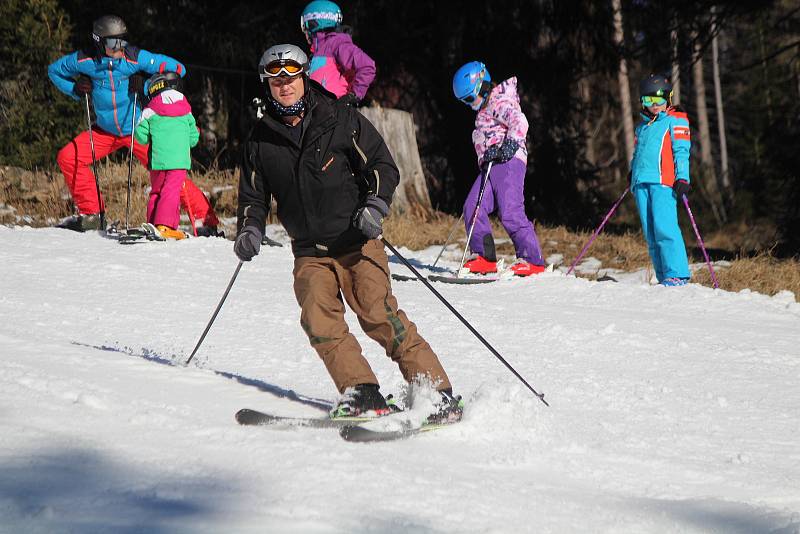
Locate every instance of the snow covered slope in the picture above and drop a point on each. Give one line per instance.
(672, 410)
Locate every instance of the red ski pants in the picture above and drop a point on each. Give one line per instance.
(75, 161)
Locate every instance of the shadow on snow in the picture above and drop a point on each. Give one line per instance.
(80, 490)
(266, 387)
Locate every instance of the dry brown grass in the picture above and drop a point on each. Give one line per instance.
(626, 252)
(762, 273)
(40, 199)
(43, 197)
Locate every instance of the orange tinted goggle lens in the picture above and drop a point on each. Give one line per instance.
(276, 67)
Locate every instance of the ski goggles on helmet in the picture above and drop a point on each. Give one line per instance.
(280, 67)
(648, 100)
(115, 43)
(473, 100)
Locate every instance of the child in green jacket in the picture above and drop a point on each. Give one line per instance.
(168, 126)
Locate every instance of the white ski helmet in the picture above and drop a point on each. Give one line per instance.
(282, 60)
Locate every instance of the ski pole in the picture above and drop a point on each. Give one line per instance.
(475, 217)
(447, 242)
(130, 164)
(100, 205)
(461, 318)
(599, 229)
(700, 241)
(219, 306)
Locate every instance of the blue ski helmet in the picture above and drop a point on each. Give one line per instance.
(320, 15)
(468, 83)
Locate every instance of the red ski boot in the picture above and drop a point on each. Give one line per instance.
(481, 265)
(523, 268)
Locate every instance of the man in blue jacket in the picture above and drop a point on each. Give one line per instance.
(104, 72)
(660, 177)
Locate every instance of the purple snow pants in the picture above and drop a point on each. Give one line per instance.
(503, 193)
(164, 206)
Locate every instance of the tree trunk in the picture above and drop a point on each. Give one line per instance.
(585, 95)
(706, 158)
(397, 129)
(208, 116)
(676, 63)
(723, 142)
(622, 77)
(764, 69)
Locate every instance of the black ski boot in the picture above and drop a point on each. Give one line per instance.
(363, 400)
(209, 231)
(450, 410)
(81, 223)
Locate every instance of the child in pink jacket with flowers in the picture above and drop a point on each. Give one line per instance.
(499, 138)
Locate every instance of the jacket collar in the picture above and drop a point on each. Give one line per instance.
(318, 119)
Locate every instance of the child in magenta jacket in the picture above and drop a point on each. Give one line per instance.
(337, 64)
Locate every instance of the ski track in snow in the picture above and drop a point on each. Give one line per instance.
(672, 409)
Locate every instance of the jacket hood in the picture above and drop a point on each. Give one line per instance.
(170, 103)
(329, 39)
(506, 90)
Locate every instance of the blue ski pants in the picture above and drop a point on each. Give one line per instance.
(658, 211)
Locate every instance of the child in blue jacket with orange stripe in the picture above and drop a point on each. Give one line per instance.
(660, 177)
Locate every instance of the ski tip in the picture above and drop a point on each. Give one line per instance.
(359, 434)
(246, 416)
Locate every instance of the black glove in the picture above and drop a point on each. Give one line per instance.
(500, 153)
(350, 99)
(83, 85)
(369, 217)
(681, 187)
(248, 243)
(490, 155)
(136, 84)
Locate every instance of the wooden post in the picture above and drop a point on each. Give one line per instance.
(397, 129)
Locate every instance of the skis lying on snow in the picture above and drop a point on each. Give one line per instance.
(357, 429)
(450, 279)
(463, 279)
(146, 232)
(468, 277)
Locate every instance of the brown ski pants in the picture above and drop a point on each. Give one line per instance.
(362, 278)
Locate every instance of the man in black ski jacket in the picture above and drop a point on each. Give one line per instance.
(333, 179)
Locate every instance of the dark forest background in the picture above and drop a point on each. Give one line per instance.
(563, 52)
